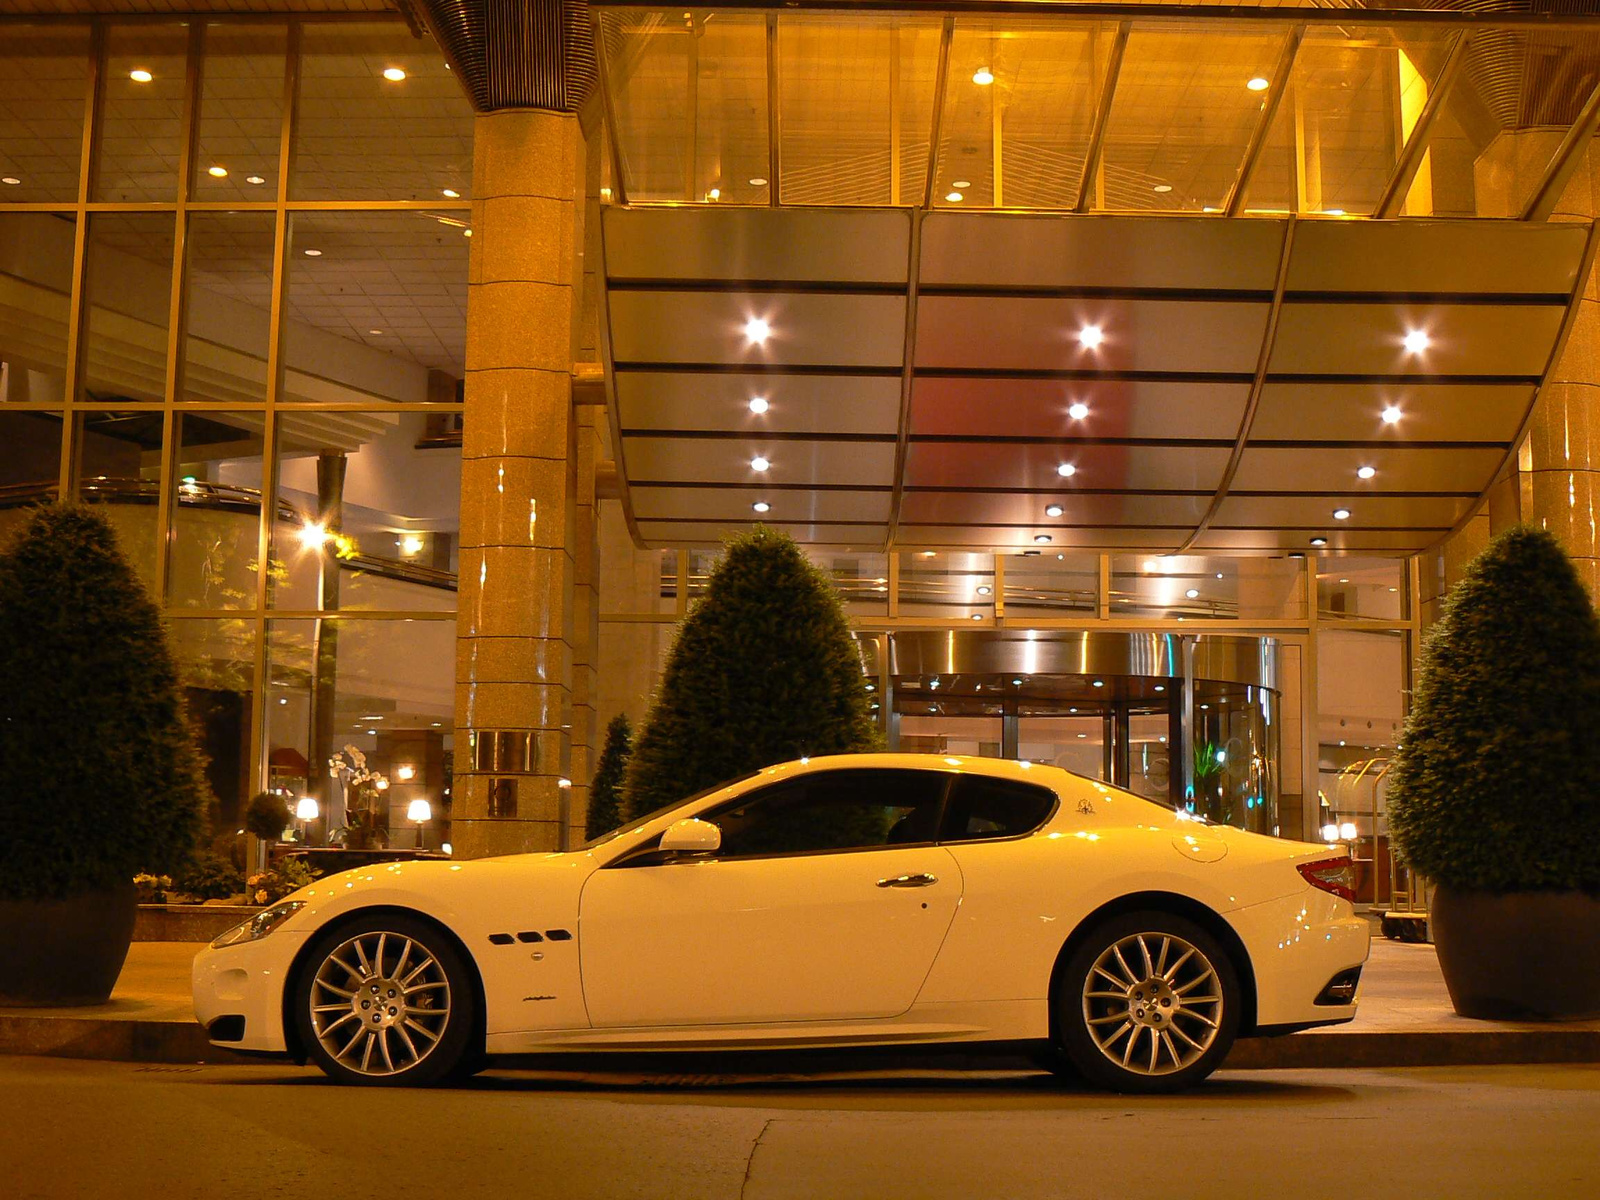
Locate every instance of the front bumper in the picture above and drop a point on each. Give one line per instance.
(246, 982)
(1297, 945)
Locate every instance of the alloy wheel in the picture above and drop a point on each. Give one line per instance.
(1153, 1003)
(379, 1003)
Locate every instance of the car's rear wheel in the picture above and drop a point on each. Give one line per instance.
(384, 1000)
(1149, 1002)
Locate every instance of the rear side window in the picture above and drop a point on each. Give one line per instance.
(994, 808)
(833, 810)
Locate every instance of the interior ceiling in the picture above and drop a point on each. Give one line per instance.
(952, 430)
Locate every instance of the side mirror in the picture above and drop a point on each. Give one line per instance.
(691, 836)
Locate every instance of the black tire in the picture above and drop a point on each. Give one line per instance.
(422, 1014)
(1176, 1028)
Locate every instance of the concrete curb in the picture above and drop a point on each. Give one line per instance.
(173, 1042)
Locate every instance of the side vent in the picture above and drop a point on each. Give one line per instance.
(501, 939)
(558, 935)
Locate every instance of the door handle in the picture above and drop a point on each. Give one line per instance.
(923, 880)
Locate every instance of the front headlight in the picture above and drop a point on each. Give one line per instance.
(259, 925)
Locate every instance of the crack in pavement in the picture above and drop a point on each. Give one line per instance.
(751, 1161)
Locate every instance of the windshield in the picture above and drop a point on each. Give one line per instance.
(635, 823)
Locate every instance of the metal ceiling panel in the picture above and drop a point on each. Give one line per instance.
(1061, 540)
(1372, 512)
(669, 534)
(1434, 257)
(1028, 508)
(1040, 408)
(1424, 412)
(1004, 250)
(820, 404)
(734, 504)
(1353, 541)
(807, 329)
(1043, 333)
(1368, 339)
(727, 460)
(777, 244)
(1003, 465)
(1460, 469)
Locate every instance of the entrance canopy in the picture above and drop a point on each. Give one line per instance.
(1131, 282)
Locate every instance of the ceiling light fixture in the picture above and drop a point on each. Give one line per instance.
(1163, 188)
(140, 75)
(1041, 538)
(953, 197)
(1259, 84)
(217, 172)
(983, 77)
(1078, 411)
(1391, 415)
(756, 330)
(758, 181)
(1090, 336)
(10, 181)
(961, 184)
(1099, 683)
(1341, 514)
(1319, 541)
(761, 506)
(452, 194)
(1193, 594)
(759, 464)
(758, 404)
(714, 194)
(977, 616)
(1054, 510)
(393, 74)
(1417, 340)
(255, 179)
(1366, 472)
(313, 253)
(985, 590)
(1066, 470)
(1334, 212)
(375, 332)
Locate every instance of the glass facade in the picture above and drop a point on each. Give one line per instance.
(234, 317)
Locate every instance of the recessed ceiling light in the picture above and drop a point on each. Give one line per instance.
(1078, 411)
(466, 233)
(977, 616)
(961, 184)
(1054, 510)
(1341, 514)
(1319, 541)
(1099, 683)
(756, 330)
(140, 75)
(983, 77)
(1366, 472)
(313, 253)
(1163, 188)
(714, 194)
(1090, 336)
(10, 181)
(759, 464)
(761, 506)
(1161, 687)
(393, 74)
(953, 197)
(1417, 340)
(452, 194)
(985, 590)
(217, 172)
(255, 179)
(375, 332)
(758, 181)
(1066, 470)
(1391, 415)
(1344, 581)
(1259, 84)
(1193, 593)
(758, 404)
(1041, 538)
(1334, 212)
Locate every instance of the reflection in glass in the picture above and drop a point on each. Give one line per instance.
(217, 510)
(1361, 587)
(385, 688)
(140, 128)
(35, 303)
(241, 113)
(29, 467)
(1236, 755)
(119, 467)
(1176, 587)
(44, 73)
(361, 136)
(1051, 585)
(127, 300)
(946, 584)
(229, 313)
(217, 662)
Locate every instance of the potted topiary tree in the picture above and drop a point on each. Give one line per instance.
(763, 670)
(102, 779)
(1495, 789)
(605, 793)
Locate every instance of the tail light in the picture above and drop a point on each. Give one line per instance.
(1335, 875)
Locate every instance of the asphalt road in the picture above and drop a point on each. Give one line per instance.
(82, 1130)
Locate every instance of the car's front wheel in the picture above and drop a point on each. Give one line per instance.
(1149, 1002)
(382, 1000)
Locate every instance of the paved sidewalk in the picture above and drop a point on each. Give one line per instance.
(1406, 1020)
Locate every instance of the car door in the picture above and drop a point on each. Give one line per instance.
(828, 900)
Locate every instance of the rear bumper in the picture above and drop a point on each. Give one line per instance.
(1297, 945)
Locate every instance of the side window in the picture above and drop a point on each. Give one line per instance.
(834, 810)
(993, 808)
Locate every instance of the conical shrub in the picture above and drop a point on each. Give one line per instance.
(1496, 785)
(101, 778)
(605, 793)
(763, 670)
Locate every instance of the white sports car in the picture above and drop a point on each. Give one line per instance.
(859, 900)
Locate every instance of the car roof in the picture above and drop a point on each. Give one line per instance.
(1002, 768)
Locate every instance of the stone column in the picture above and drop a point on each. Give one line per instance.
(514, 695)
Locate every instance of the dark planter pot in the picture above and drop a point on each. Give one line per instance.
(1521, 956)
(65, 952)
